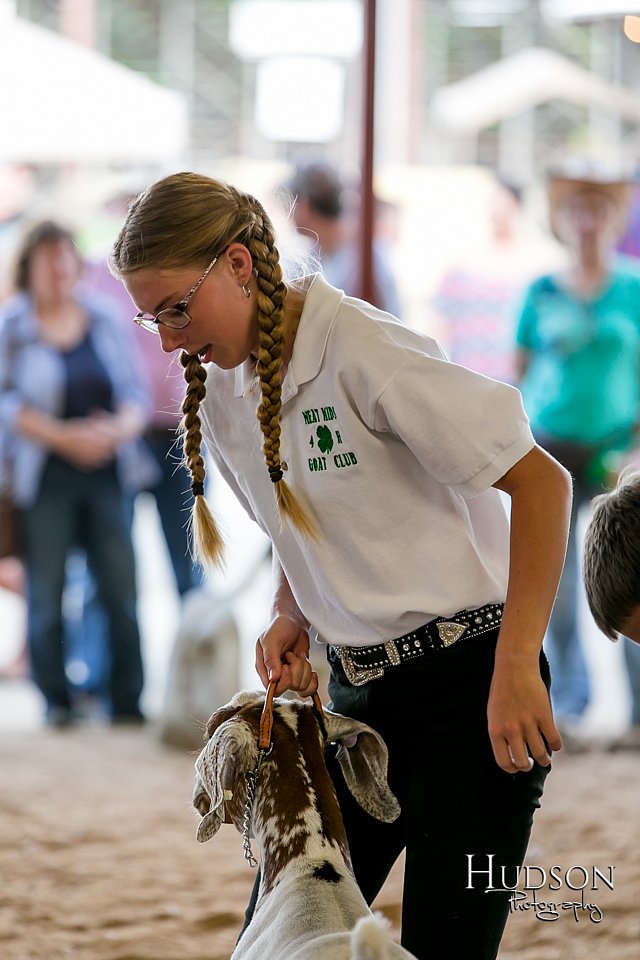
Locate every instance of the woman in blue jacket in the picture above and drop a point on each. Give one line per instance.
(71, 413)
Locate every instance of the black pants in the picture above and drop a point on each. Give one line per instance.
(88, 510)
(456, 802)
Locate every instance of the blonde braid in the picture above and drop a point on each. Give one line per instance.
(206, 537)
(270, 300)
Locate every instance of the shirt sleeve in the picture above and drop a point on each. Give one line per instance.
(465, 429)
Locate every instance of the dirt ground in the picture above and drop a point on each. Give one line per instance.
(99, 861)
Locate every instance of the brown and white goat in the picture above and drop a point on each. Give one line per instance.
(309, 905)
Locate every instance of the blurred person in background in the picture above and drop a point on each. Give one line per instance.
(325, 210)
(579, 367)
(477, 298)
(72, 412)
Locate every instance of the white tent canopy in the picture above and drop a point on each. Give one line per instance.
(522, 81)
(64, 103)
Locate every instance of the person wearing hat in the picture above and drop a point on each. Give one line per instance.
(578, 341)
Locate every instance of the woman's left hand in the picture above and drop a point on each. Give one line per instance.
(520, 719)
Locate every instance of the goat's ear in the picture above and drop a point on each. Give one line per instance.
(363, 758)
(210, 822)
(219, 769)
(242, 699)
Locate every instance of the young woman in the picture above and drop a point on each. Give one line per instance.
(375, 486)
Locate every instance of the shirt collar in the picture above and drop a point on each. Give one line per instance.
(321, 305)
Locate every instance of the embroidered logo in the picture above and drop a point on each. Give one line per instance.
(324, 439)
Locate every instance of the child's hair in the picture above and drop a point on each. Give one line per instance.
(612, 555)
(185, 220)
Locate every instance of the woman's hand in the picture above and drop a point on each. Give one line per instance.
(86, 442)
(282, 655)
(520, 720)
(92, 442)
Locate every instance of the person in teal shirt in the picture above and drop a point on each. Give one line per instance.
(578, 341)
(582, 384)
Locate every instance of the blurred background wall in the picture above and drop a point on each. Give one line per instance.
(101, 96)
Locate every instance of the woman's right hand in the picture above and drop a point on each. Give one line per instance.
(282, 655)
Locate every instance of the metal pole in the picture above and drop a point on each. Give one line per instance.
(367, 281)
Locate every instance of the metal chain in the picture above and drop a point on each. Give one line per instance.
(252, 781)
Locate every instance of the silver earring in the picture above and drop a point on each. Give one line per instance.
(246, 290)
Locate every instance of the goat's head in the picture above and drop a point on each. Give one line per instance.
(296, 760)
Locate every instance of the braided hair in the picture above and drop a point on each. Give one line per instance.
(184, 220)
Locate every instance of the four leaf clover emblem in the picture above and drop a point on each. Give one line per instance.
(325, 439)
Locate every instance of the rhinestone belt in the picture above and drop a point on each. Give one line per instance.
(362, 664)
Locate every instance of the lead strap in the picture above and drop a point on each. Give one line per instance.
(266, 720)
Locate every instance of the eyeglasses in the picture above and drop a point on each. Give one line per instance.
(176, 316)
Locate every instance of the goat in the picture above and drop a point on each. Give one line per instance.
(309, 905)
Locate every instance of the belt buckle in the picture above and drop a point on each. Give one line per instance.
(355, 676)
(450, 632)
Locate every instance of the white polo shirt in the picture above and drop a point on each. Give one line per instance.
(395, 450)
